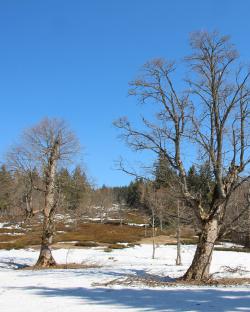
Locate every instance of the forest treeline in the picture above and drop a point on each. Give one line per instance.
(158, 196)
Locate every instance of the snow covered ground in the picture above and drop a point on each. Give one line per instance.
(74, 290)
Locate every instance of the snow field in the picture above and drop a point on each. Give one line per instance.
(73, 290)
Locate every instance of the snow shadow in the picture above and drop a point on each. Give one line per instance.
(12, 265)
(167, 299)
(108, 273)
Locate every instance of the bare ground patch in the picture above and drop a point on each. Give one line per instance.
(158, 281)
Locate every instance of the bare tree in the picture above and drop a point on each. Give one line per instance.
(42, 148)
(212, 115)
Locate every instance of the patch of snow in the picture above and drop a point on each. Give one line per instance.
(2, 224)
(229, 245)
(138, 224)
(13, 234)
(74, 290)
(6, 225)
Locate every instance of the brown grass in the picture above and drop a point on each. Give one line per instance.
(12, 231)
(86, 244)
(154, 281)
(103, 233)
(83, 233)
(135, 217)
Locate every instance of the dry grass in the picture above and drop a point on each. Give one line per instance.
(12, 231)
(86, 244)
(83, 233)
(135, 217)
(103, 233)
(217, 282)
(156, 281)
(18, 242)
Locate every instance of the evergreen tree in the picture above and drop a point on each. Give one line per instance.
(164, 174)
(6, 184)
(134, 193)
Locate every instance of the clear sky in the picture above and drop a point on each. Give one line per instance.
(73, 59)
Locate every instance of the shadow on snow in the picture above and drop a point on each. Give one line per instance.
(167, 299)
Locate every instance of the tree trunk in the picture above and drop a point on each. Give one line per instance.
(161, 222)
(153, 234)
(29, 206)
(45, 258)
(199, 269)
(178, 236)
(247, 238)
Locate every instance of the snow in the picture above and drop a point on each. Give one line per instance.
(10, 227)
(138, 224)
(76, 290)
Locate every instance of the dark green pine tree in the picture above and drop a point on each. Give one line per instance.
(79, 187)
(200, 180)
(164, 174)
(6, 184)
(73, 187)
(134, 193)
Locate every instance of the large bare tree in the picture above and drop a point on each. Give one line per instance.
(211, 118)
(42, 148)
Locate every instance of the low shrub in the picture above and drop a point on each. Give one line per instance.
(107, 249)
(86, 244)
(117, 246)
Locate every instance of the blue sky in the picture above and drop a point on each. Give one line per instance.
(74, 59)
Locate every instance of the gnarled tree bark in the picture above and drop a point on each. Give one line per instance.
(45, 258)
(200, 266)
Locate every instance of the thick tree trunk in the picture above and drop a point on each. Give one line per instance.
(29, 206)
(247, 238)
(45, 258)
(199, 269)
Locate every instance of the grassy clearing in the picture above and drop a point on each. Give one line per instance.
(85, 234)
(81, 234)
(103, 233)
(20, 242)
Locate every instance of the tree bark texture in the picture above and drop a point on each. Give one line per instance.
(199, 269)
(45, 258)
(178, 236)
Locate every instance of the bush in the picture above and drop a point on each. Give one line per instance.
(117, 246)
(86, 244)
(108, 249)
